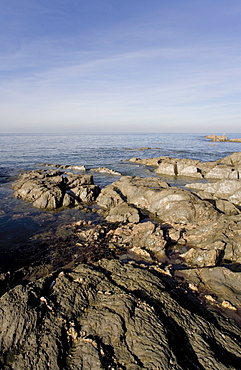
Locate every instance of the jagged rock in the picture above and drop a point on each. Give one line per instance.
(41, 188)
(197, 257)
(112, 316)
(178, 167)
(189, 171)
(201, 244)
(204, 243)
(54, 189)
(205, 167)
(226, 207)
(169, 169)
(68, 201)
(79, 180)
(49, 199)
(233, 246)
(85, 193)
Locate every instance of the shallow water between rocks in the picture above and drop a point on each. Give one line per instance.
(32, 236)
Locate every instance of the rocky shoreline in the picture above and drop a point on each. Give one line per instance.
(156, 285)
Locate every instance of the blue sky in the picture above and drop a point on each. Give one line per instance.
(120, 66)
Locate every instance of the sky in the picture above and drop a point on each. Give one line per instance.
(120, 66)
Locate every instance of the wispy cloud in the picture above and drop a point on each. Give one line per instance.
(149, 71)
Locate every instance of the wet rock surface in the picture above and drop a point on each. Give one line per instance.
(112, 316)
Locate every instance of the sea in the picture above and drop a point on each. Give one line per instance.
(20, 221)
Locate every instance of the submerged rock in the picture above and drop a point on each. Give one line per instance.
(112, 316)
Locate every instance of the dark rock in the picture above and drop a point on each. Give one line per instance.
(112, 316)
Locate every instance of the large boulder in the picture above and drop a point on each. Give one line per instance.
(112, 316)
(43, 189)
(199, 244)
(168, 204)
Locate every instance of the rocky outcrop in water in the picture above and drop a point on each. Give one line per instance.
(217, 137)
(65, 166)
(53, 189)
(113, 316)
(226, 168)
(222, 138)
(106, 170)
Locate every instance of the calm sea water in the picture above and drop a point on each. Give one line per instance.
(19, 221)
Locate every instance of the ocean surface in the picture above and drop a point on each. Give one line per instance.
(19, 221)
